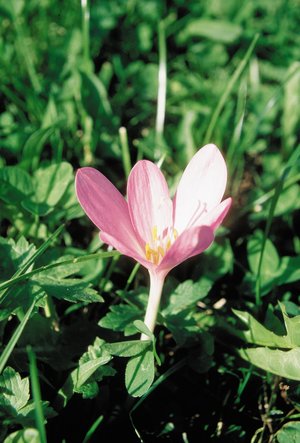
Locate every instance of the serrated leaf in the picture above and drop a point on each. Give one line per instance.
(87, 372)
(139, 373)
(127, 348)
(14, 390)
(283, 363)
(121, 318)
(29, 435)
(72, 290)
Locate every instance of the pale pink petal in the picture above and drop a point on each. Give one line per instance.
(105, 206)
(191, 242)
(125, 249)
(148, 200)
(201, 187)
(214, 218)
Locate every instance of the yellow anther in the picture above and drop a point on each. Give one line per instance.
(148, 251)
(154, 233)
(156, 249)
(161, 251)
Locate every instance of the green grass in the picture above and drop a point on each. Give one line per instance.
(105, 84)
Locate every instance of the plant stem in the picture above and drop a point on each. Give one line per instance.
(156, 287)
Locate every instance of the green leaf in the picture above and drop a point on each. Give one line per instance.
(127, 348)
(14, 390)
(90, 370)
(13, 255)
(289, 433)
(34, 145)
(216, 30)
(29, 435)
(141, 327)
(139, 373)
(72, 290)
(15, 337)
(289, 270)
(283, 363)
(95, 95)
(121, 318)
(271, 260)
(258, 334)
(15, 185)
(185, 295)
(292, 326)
(51, 182)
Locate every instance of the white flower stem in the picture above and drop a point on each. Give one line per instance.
(156, 287)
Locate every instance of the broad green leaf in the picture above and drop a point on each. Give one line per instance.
(216, 30)
(95, 95)
(121, 318)
(289, 270)
(292, 326)
(127, 348)
(72, 290)
(143, 328)
(15, 185)
(34, 145)
(283, 363)
(51, 182)
(29, 435)
(186, 294)
(139, 373)
(14, 389)
(289, 433)
(258, 334)
(90, 370)
(271, 260)
(13, 255)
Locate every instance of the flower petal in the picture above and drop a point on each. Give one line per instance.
(191, 242)
(105, 206)
(125, 249)
(148, 200)
(201, 187)
(214, 218)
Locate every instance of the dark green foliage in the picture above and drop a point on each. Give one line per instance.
(224, 362)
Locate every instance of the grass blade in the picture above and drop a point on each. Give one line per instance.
(293, 159)
(162, 82)
(16, 279)
(15, 337)
(22, 270)
(93, 428)
(226, 93)
(125, 151)
(36, 393)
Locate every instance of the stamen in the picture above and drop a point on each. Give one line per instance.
(154, 233)
(160, 243)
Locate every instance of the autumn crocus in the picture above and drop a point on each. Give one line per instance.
(155, 230)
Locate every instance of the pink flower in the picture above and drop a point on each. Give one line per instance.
(150, 227)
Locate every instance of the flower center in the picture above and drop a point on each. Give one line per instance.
(159, 244)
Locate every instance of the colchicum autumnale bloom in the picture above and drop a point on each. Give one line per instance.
(155, 230)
